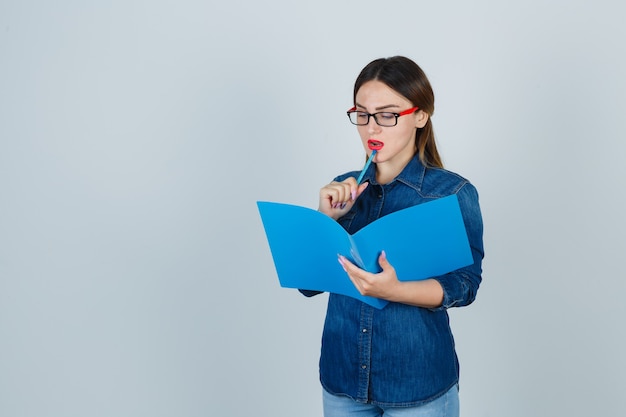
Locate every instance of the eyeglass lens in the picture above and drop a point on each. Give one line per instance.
(386, 119)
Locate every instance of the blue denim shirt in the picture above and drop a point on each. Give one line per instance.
(401, 355)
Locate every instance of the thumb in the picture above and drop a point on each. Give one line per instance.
(383, 262)
(360, 190)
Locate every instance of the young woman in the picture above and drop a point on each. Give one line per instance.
(400, 360)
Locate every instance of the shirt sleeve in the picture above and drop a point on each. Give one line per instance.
(310, 293)
(460, 286)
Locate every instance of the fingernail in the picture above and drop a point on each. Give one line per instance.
(353, 195)
(340, 260)
(343, 205)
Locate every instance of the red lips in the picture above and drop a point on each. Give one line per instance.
(375, 145)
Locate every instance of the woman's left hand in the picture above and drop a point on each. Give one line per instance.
(385, 285)
(381, 285)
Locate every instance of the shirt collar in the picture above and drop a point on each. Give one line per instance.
(412, 174)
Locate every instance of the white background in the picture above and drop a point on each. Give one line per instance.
(136, 137)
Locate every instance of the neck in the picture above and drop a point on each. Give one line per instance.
(387, 171)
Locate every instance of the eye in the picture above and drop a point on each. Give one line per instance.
(361, 115)
(387, 116)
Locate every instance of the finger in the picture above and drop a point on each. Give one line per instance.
(344, 262)
(359, 190)
(351, 269)
(346, 195)
(354, 273)
(341, 192)
(353, 277)
(350, 191)
(353, 187)
(332, 194)
(384, 262)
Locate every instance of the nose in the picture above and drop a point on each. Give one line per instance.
(372, 126)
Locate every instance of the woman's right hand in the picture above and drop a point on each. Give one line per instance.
(337, 198)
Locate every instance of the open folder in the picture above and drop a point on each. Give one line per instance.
(420, 242)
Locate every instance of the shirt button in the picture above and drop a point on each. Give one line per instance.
(363, 366)
(364, 330)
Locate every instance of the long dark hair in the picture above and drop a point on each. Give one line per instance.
(406, 78)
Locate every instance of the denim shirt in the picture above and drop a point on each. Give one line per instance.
(401, 355)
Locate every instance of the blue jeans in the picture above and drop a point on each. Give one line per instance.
(339, 406)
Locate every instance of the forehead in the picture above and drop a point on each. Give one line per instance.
(377, 94)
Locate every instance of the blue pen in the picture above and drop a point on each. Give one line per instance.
(375, 146)
(367, 164)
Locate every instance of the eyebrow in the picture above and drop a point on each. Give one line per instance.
(388, 106)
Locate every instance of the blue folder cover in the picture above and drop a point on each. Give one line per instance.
(421, 242)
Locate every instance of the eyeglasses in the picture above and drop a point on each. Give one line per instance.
(383, 118)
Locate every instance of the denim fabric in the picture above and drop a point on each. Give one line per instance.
(445, 406)
(400, 355)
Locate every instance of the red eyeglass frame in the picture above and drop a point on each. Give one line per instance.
(402, 113)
